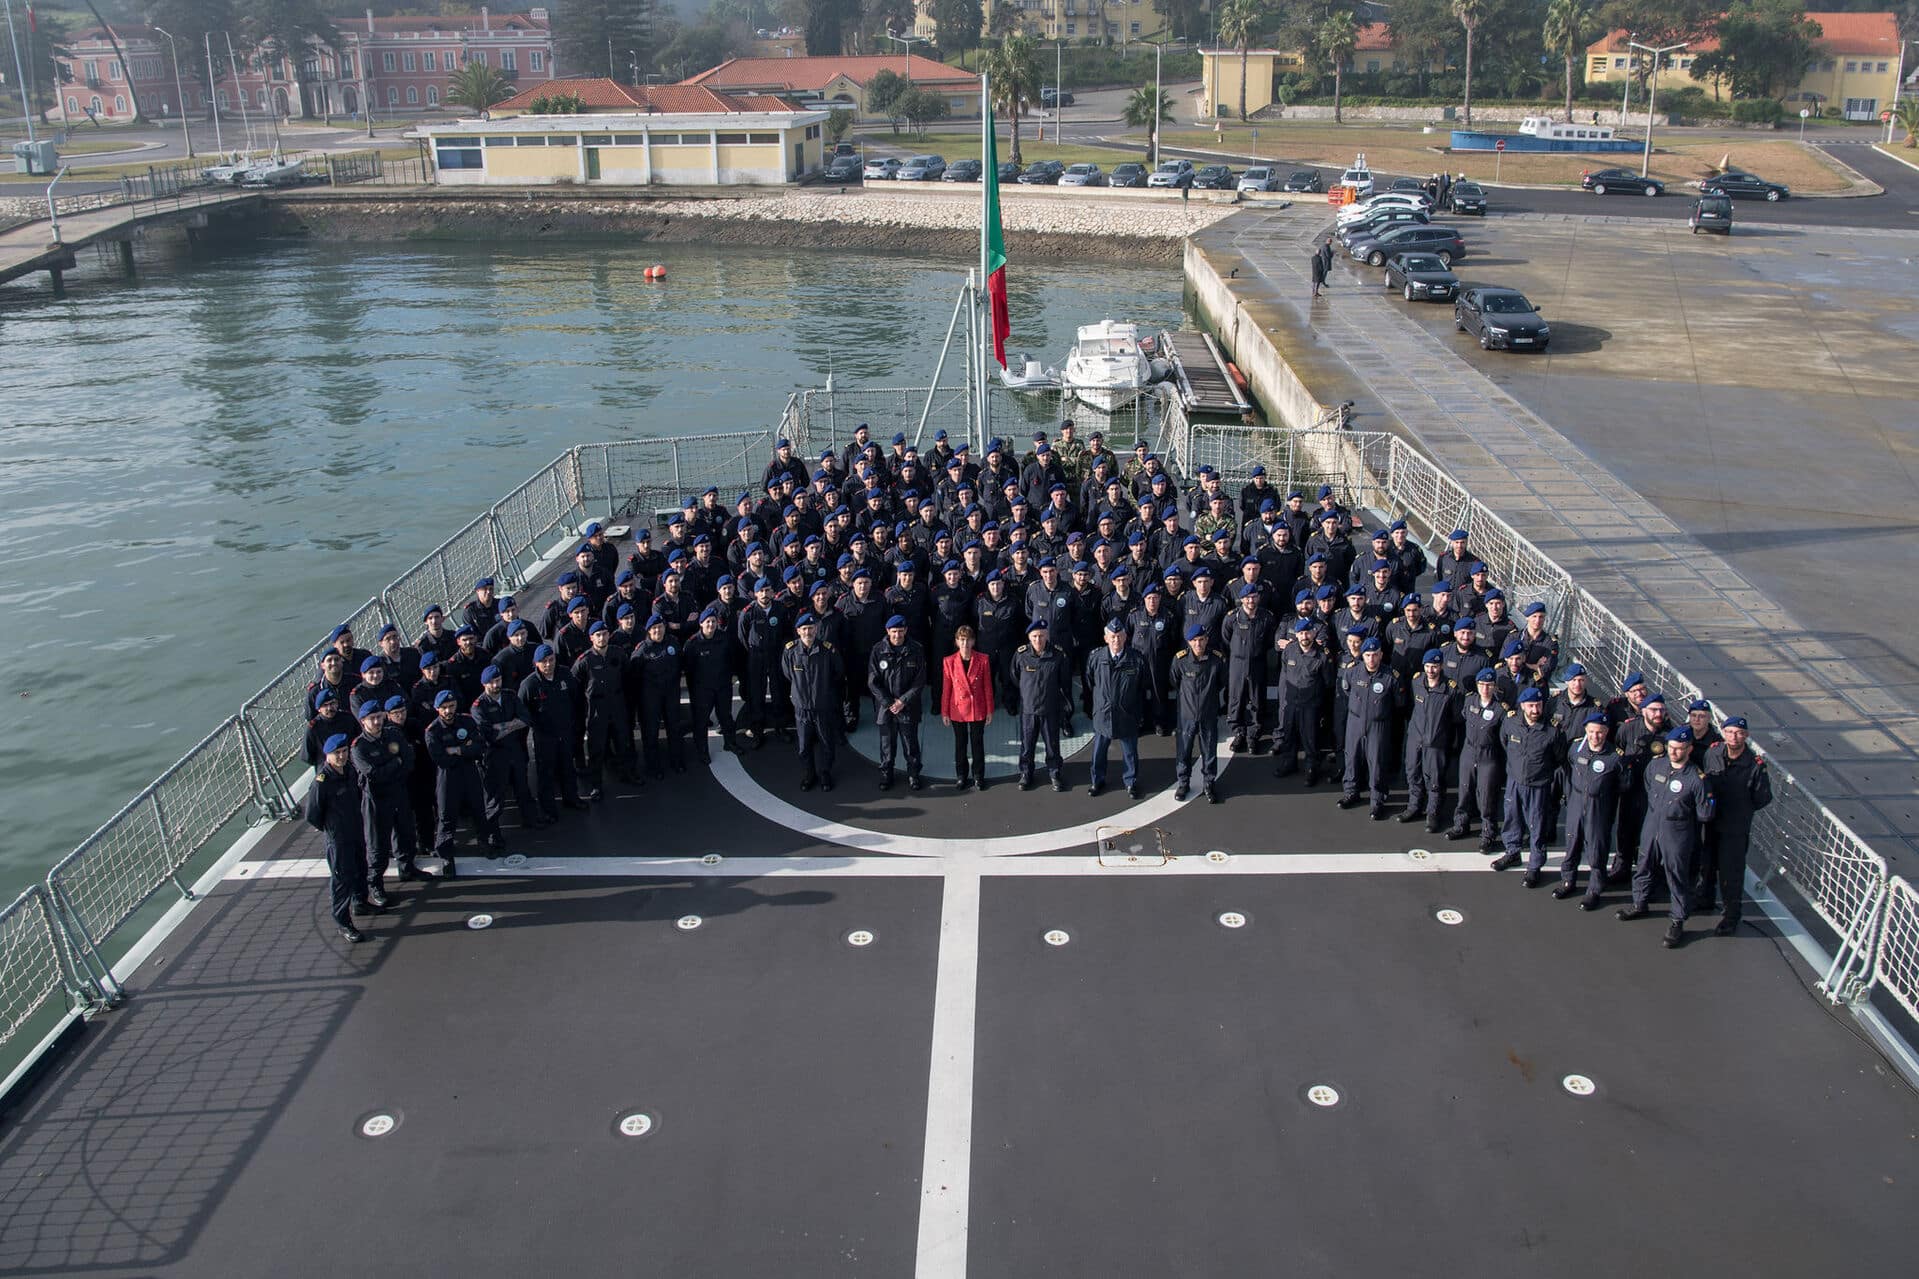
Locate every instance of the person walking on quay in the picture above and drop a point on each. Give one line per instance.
(966, 704)
(1318, 267)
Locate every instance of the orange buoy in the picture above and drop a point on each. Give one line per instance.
(656, 272)
(1239, 379)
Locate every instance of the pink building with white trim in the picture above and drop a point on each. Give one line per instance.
(402, 64)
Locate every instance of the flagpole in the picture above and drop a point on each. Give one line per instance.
(985, 328)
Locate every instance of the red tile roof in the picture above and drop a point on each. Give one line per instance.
(601, 94)
(1840, 33)
(1374, 37)
(810, 74)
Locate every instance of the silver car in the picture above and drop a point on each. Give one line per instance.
(1082, 175)
(922, 168)
(882, 170)
(1172, 173)
(1259, 180)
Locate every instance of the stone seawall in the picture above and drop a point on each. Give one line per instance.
(943, 225)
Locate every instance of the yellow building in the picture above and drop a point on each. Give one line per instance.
(1856, 69)
(629, 149)
(1220, 75)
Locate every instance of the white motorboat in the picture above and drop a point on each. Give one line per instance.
(1109, 365)
(229, 171)
(276, 172)
(1033, 376)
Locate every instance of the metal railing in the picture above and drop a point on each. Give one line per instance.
(826, 418)
(54, 941)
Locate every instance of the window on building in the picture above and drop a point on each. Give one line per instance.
(1072, 28)
(222, 99)
(629, 139)
(763, 139)
(93, 70)
(346, 66)
(1135, 29)
(812, 131)
(72, 106)
(1851, 65)
(407, 62)
(507, 62)
(1372, 66)
(95, 104)
(733, 139)
(412, 96)
(499, 142)
(1618, 63)
(119, 104)
(387, 61)
(433, 95)
(459, 153)
(263, 99)
(597, 140)
(537, 60)
(392, 95)
(429, 60)
(479, 56)
(530, 140)
(1881, 68)
(115, 70)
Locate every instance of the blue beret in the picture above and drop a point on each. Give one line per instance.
(324, 697)
(652, 620)
(807, 619)
(1593, 717)
(1202, 571)
(1268, 505)
(1047, 561)
(543, 652)
(1248, 589)
(1464, 624)
(963, 447)
(1371, 645)
(371, 706)
(1531, 695)
(1494, 594)
(396, 703)
(1326, 592)
(1633, 681)
(1380, 535)
(899, 437)
(1174, 570)
(1037, 624)
(992, 576)
(1135, 538)
(1115, 627)
(1656, 697)
(1325, 490)
(568, 578)
(514, 627)
(1410, 599)
(1680, 734)
(1734, 721)
(1457, 535)
(1152, 588)
(444, 696)
(1081, 566)
(369, 664)
(1698, 704)
(1300, 597)
(792, 571)
(388, 629)
(1303, 624)
(1433, 656)
(711, 611)
(1355, 591)
(336, 742)
(678, 517)
(1329, 514)
(724, 579)
(624, 610)
(858, 573)
(1575, 669)
(431, 609)
(1257, 470)
(338, 631)
(782, 443)
(584, 548)
(1534, 607)
(643, 534)
(579, 604)
(429, 658)
(464, 631)
(596, 628)
(1487, 675)
(1381, 564)
(490, 674)
(1316, 558)
(905, 566)
(743, 498)
(897, 620)
(1396, 525)
(702, 540)
(1196, 630)
(846, 558)
(1514, 645)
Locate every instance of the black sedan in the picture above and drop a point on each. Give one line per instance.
(845, 168)
(1746, 186)
(1501, 318)
(1468, 197)
(1042, 173)
(1374, 223)
(962, 171)
(1214, 177)
(1421, 276)
(1127, 175)
(1442, 242)
(1008, 171)
(1304, 180)
(1620, 182)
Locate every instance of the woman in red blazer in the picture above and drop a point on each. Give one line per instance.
(966, 703)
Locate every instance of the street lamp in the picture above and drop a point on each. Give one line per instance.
(1625, 100)
(1159, 50)
(1898, 85)
(1652, 94)
(179, 90)
(26, 103)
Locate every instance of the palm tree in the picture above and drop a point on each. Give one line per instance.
(1239, 21)
(1338, 37)
(1469, 12)
(1139, 109)
(1567, 22)
(1906, 115)
(477, 85)
(1014, 73)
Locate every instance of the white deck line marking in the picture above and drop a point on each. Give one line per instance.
(946, 1170)
(904, 867)
(741, 786)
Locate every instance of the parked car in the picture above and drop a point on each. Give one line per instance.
(1421, 276)
(1304, 180)
(885, 169)
(1712, 211)
(962, 171)
(922, 168)
(1082, 175)
(1620, 182)
(1127, 175)
(1214, 177)
(1172, 173)
(1259, 179)
(1501, 318)
(1380, 221)
(1355, 212)
(1360, 180)
(1746, 186)
(1042, 173)
(1441, 241)
(1049, 97)
(844, 149)
(1413, 185)
(1468, 197)
(1008, 171)
(844, 168)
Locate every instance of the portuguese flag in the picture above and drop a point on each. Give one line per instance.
(992, 241)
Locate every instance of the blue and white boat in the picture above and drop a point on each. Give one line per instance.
(1542, 133)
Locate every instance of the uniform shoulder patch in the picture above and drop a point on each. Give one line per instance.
(791, 643)
(1022, 648)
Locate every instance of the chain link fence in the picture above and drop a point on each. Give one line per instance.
(526, 519)
(277, 715)
(34, 964)
(828, 418)
(445, 575)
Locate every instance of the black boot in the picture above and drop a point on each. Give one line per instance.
(1675, 936)
(1505, 861)
(886, 779)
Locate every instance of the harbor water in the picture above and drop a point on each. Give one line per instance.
(204, 468)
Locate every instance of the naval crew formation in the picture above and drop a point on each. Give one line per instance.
(1062, 582)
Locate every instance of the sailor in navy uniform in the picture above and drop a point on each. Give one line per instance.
(1430, 729)
(1531, 747)
(332, 807)
(1044, 676)
(1741, 786)
(811, 669)
(383, 760)
(1374, 697)
(896, 672)
(459, 751)
(1198, 677)
(1594, 772)
(1678, 802)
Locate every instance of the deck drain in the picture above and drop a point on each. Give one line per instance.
(711, 859)
(1056, 937)
(1232, 919)
(1324, 1096)
(1579, 1085)
(1420, 854)
(479, 921)
(859, 937)
(1218, 858)
(378, 1125)
(514, 859)
(687, 923)
(1448, 916)
(637, 1124)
